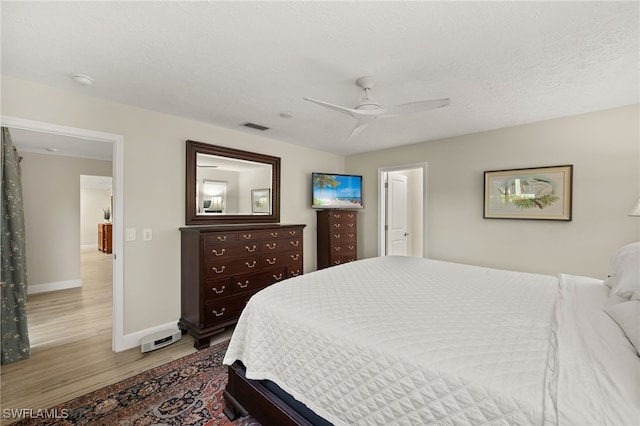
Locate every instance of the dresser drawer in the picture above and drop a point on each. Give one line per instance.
(221, 238)
(220, 251)
(225, 309)
(342, 216)
(256, 235)
(294, 232)
(343, 248)
(294, 270)
(340, 259)
(344, 235)
(216, 268)
(278, 259)
(342, 226)
(281, 245)
(257, 281)
(217, 288)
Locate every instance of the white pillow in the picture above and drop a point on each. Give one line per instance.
(625, 279)
(627, 315)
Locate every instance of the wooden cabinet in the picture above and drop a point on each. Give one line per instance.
(337, 237)
(104, 237)
(223, 266)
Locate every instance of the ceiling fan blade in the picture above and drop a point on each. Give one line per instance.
(417, 106)
(351, 112)
(356, 113)
(358, 128)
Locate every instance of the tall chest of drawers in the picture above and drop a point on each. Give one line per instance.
(337, 237)
(223, 266)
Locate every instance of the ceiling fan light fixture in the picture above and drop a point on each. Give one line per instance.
(82, 79)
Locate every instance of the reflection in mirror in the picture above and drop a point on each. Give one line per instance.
(226, 185)
(213, 196)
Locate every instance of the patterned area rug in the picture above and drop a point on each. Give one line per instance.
(187, 391)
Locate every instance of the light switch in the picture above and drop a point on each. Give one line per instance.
(131, 234)
(147, 235)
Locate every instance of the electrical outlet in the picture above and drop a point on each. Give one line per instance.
(147, 235)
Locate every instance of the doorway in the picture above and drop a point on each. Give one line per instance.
(402, 215)
(88, 137)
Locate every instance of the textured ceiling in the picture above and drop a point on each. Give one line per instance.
(225, 63)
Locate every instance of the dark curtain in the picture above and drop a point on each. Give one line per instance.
(13, 312)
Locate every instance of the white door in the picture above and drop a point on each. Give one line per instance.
(397, 215)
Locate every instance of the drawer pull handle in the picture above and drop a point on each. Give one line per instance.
(274, 234)
(215, 252)
(277, 277)
(214, 269)
(250, 249)
(337, 248)
(350, 225)
(336, 215)
(337, 225)
(337, 262)
(214, 312)
(215, 290)
(246, 236)
(243, 285)
(336, 236)
(250, 265)
(292, 233)
(272, 261)
(295, 243)
(222, 238)
(271, 246)
(350, 235)
(350, 216)
(295, 256)
(350, 247)
(295, 273)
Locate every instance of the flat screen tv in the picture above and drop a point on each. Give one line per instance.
(336, 191)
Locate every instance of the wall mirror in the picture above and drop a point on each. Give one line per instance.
(226, 185)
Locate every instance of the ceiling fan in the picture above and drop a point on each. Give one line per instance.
(369, 110)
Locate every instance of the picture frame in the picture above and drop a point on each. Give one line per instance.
(260, 200)
(542, 193)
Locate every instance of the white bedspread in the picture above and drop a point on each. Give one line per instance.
(407, 341)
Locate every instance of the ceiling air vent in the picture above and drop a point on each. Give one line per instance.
(254, 126)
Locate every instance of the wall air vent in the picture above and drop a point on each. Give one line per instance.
(254, 126)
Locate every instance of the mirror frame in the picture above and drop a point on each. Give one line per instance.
(192, 218)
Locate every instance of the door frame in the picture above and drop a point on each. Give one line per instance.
(382, 204)
(117, 334)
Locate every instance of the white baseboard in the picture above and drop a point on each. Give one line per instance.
(60, 285)
(132, 340)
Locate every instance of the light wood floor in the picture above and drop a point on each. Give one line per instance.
(70, 334)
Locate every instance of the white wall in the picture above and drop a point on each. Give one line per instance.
(154, 169)
(51, 192)
(604, 148)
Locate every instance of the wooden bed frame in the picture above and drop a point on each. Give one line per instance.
(245, 396)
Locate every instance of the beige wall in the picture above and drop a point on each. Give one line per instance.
(154, 173)
(51, 192)
(604, 148)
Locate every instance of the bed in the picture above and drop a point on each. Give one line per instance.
(408, 341)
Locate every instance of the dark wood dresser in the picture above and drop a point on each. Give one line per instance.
(337, 237)
(104, 237)
(223, 266)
